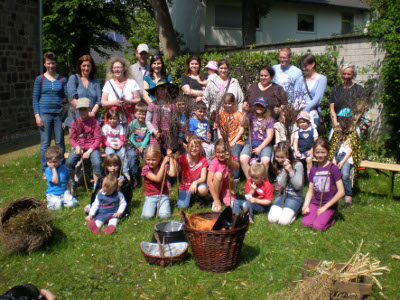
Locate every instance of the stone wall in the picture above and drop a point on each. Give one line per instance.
(354, 49)
(19, 64)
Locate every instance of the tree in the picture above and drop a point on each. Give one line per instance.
(253, 10)
(71, 28)
(168, 40)
(385, 28)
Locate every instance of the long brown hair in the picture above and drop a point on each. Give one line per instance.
(112, 160)
(187, 68)
(285, 148)
(81, 60)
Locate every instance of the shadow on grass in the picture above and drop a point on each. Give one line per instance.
(248, 255)
(373, 194)
(56, 238)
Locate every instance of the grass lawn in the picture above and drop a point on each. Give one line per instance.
(76, 264)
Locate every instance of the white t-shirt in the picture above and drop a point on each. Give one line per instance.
(345, 148)
(126, 93)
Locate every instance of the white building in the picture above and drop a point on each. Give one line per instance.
(216, 23)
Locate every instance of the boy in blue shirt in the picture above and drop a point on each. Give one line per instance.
(199, 126)
(57, 176)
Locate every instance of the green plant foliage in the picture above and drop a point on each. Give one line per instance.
(385, 27)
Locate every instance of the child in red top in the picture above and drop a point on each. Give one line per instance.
(259, 192)
(194, 173)
(153, 173)
(220, 178)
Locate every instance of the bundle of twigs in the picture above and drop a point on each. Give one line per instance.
(26, 224)
(321, 285)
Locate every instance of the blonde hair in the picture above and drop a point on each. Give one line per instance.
(259, 170)
(125, 64)
(153, 151)
(110, 182)
(346, 66)
(196, 140)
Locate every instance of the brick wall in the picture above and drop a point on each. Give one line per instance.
(19, 64)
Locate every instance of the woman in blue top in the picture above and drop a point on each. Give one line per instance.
(309, 89)
(83, 84)
(49, 91)
(157, 73)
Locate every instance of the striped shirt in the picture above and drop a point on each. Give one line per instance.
(51, 95)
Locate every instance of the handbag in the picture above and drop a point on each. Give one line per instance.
(127, 110)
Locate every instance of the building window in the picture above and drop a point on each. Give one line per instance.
(228, 16)
(305, 23)
(347, 23)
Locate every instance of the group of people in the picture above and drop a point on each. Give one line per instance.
(147, 121)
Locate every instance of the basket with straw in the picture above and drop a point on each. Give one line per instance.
(26, 224)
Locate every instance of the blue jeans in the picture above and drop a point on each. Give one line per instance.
(292, 202)
(347, 171)
(121, 154)
(255, 208)
(266, 152)
(51, 124)
(236, 151)
(185, 196)
(150, 207)
(133, 161)
(95, 159)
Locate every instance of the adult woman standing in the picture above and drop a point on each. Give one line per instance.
(120, 92)
(49, 91)
(220, 85)
(190, 81)
(309, 89)
(82, 84)
(347, 95)
(157, 73)
(266, 88)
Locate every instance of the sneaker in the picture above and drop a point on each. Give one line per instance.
(348, 200)
(237, 181)
(93, 227)
(109, 229)
(87, 209)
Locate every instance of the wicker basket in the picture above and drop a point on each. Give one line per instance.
(215, 251)
(164, 261)
(23, 242)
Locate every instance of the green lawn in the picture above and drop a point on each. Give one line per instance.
(76, 264)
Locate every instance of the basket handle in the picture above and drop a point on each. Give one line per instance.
(184, 218)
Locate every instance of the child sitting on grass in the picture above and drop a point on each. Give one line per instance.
(154, 175)
(85, 140)
(259, 192)
(57, 176)
(200, 127)
(220, 177)
(108, 206)
(194, 173)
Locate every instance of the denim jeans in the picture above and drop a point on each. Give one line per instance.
(287, 214)
(95, 159)
(266, 152)
(255, 208)
(133, 161)
(292, 202)
(236, 151)
(185, 196)
(150, 207)
(122, 155)
(347, 171)
(51, 124)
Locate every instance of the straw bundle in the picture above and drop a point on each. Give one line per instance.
(326, 276)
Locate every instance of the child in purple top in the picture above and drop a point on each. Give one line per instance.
(262, 133)
(325, 190)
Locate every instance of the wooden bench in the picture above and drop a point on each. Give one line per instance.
(392, 168)
(103, 155)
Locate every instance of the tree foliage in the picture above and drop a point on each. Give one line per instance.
(385, 27)
(72, 28)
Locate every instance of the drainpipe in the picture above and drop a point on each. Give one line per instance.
(40, 35)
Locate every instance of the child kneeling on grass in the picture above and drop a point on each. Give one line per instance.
(108, 206)
(220, 175)
(57, 176)
(259, 192)
(154, 175)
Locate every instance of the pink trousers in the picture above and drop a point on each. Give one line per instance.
(321, 222)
